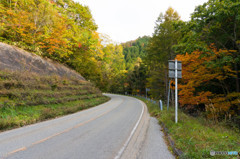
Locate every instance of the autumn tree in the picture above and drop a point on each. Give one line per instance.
(62, 30)
(205, 85)
(217, 22)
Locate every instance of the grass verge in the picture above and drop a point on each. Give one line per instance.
(13, 117)
(27, 98)
(196, 137)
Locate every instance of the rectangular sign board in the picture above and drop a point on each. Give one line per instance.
(171, 65)
(171, 69)
(171, 74)
(147, 89)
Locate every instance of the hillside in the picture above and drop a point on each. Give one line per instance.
(132, 50)
(34, 89)
(15, 59)
(61, 30)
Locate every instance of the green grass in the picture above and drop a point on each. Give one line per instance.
(12, 117)
(196, 137)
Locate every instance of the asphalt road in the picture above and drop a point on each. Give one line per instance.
(116, 129)
(154, 146)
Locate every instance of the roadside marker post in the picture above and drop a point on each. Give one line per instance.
(160, 105)
(175, 71)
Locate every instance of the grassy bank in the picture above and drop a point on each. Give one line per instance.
(12, 117)
(196, 137)
(28, 98)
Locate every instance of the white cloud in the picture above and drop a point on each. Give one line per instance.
(125, 20)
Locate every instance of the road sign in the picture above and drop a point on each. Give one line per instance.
(171, 73)
(171, 69)
(175, 71)
(171, 65)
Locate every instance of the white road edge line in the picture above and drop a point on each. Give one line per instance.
(131, 134)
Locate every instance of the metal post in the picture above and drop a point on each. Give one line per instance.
(176, 93)
(146, 92)
(160, 104)
(168, 94)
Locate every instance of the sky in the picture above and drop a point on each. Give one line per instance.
(125, 20)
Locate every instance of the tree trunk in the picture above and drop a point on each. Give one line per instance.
(166, 85)
(237, 78)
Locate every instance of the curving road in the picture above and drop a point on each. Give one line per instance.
(116, 129)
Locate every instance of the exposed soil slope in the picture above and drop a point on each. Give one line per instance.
(13, 58)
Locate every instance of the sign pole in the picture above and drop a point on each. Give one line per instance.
(175, 71)
(176, 93)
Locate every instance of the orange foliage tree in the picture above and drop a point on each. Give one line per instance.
(205, 82)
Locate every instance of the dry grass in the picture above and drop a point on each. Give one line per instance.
(26, 98)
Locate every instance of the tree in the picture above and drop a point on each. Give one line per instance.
(113, 68)
(217, 22)
(136, 78)
(160, 50)
(134, 49)
(62, 30)
(205, 86)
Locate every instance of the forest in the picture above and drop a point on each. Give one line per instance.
(208, 46)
